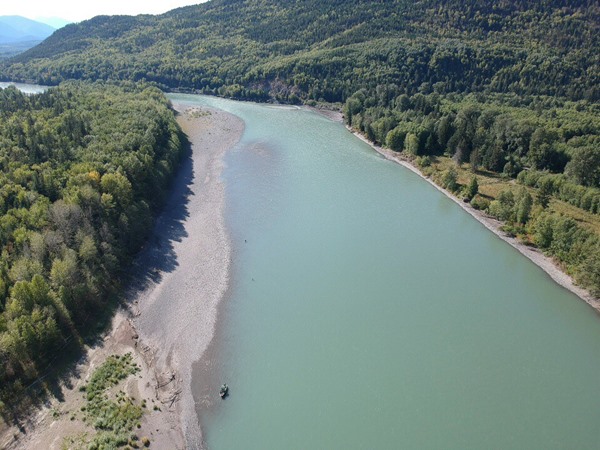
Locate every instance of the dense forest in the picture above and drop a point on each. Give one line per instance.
(82, 169)
(312, 50)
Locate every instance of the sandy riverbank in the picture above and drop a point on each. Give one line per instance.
(189, 260)
(535, 255)
(180, 278)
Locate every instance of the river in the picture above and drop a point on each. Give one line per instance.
(367, 310)
(24, 87)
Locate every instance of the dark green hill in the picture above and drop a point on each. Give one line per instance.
(310, 49)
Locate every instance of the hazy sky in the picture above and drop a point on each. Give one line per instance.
(78, 10)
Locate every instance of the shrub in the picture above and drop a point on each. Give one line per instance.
(480, 203)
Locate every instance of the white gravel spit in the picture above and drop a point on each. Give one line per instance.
(184, 272)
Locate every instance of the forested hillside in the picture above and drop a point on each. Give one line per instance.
(504, 89)
(315, 50)
(82, 168)
(497, 101)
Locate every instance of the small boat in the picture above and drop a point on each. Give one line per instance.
(224, 391)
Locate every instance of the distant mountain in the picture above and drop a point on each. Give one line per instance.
(15, 29)
(55, 22)
(18, 34)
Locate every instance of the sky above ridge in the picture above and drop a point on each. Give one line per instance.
(76, 11)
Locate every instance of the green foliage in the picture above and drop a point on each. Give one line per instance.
(423, 161)
(480, 203)
(450, 179)
(500, 133)
(471, 189)
(524, 203)
(533, 136)
(584, 167)
(503, 208)
(113, 416)
(508, 87)
(113, 370)
(560, 236)
(395, 139)
(314, 50)
(545, 191)
(82, 167)
(411, 144)
(507, 133)
(543, 152)
(589, 270)
(561, 186)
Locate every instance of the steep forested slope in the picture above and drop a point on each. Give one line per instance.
(317, 50)
(81, 169)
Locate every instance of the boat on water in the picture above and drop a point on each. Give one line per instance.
(224, 391)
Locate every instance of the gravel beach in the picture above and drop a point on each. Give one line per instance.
(180, 277)
(187, 265)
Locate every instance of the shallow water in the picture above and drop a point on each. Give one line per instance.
(367, 310)
(24, 87)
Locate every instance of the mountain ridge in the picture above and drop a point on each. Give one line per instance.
(307, 50)
(20, 29)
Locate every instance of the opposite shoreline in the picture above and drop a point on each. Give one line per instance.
(546, 263)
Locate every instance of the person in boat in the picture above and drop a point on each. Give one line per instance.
(224, 390)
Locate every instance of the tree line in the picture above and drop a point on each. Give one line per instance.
(83, 167)
(509, 88)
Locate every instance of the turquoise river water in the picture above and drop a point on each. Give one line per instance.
(368, 311)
